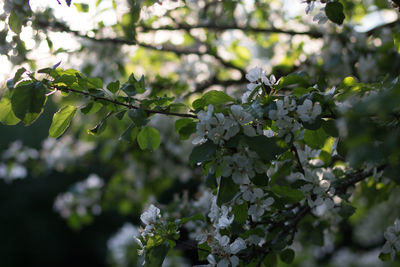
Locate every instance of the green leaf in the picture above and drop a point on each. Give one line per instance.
(138, 116)
(91, 108)
(61, 121)
(156, 255)
(287, 256)
(133, 86)
(101, 126)
(240, 212)
(265, 147)
(315, 125)
(135, 13)
(68, 2)
(330, 128)
(334, 12)
(64, 80)
(149, 138)
(113, 86)
(196, 217)
(95, 82)
(227, 190)
(14, 22)
(396, 40)
(28, 101)
(270, 260)
(203, 251)
(384, 256)
(315, 139)
(185, 128)
(213, 97)
(17, 77)
(7, 115)
(82, 7)
(260, 179)
(294, 78)
(203, 152)
(346, 211)
(211, 181)
(130, 133)
(291, 194)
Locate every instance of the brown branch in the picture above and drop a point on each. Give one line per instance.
(129, 106)
(215, 27)
(352, 180)
(294, 149)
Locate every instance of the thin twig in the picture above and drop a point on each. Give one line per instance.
(129, 106)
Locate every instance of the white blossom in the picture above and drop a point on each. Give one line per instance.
(150, 215)
(392, 236)
(308, 111)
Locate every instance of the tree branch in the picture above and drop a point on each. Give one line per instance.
(215, 27)
(353, 179)
(129, 106)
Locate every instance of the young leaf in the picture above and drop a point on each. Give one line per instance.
(149, 138)
(61, 121)
(28, 101)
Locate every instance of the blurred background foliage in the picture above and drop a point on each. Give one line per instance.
(77, 200)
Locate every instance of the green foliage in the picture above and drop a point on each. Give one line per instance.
(213, 98)
(81, 7)
(149, 138)
(203, 152)
(287, 256)
(227, 191)
(265, 147)
(14, 22)
(61, 121)
(28, 101)
(280, 158)
(155, 255)
(6, 113)
(334, 11)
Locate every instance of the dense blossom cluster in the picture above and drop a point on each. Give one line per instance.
(82, 199)
(242, 165)
(13, 161)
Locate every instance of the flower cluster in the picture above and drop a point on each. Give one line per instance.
(318, 190)
(392, 236)
(225, 251)
(257, 78)
(320, 17)
(81, 199)
(13, 161)
(220, 128)
(287, 114)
